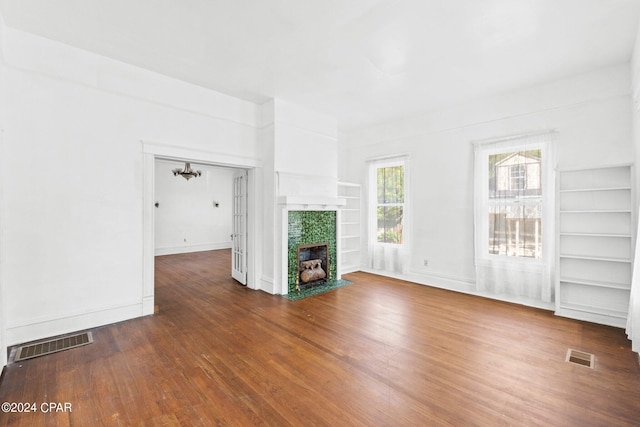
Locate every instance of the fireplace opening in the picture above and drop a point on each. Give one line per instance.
(313, 265)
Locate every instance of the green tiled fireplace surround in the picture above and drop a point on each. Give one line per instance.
(308, 227)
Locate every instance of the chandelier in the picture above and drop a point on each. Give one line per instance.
(187, 173)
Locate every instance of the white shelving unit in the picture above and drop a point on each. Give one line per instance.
(349, 228)
(594, 244)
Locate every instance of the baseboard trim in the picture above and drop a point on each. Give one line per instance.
(148, 305)
(460, 284)
(451, 283)
(267, 284)
(76, 322)
(592, 317)
(445, 281)
(173, 250)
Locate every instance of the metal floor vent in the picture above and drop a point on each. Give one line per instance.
(581, 358)
(54, 345)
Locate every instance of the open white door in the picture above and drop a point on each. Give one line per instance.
(239, 236)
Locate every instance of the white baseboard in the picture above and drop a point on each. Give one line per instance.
(459, 284)
(148, 306)
(267, 284)
(72, 323)
(212, 246)
(444, 281)
(601, 319)
(452, 283)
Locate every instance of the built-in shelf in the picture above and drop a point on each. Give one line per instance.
(596, 258)
(594, 244)
(349, 228)
(622, 236)
(580, 190)
(351, 267)
(619, 314)
(595, 283)
(350, 251)
(597, 211)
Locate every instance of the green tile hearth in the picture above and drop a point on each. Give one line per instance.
(316, 290)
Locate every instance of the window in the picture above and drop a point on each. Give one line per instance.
(518, 177)
(515, 209)
(388, 214)
(514, 215)
(389, 203)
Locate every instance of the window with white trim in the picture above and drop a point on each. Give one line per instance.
(514, 215)
(514, 204)
(388, 204)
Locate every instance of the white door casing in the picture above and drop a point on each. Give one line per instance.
(153, 150)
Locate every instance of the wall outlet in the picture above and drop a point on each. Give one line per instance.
(425, 262)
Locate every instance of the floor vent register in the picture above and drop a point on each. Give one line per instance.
(581, 358)
(50, 346)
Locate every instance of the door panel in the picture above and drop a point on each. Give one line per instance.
(239, 236)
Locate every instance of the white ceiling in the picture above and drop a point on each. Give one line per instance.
(361, 61)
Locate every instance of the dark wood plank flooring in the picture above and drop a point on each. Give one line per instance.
(380, 352)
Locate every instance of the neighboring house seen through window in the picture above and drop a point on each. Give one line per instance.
(515, 203)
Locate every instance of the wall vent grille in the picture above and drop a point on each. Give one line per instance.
(54, 345)
(581, 358)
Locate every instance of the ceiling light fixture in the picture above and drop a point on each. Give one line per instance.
(187, 173)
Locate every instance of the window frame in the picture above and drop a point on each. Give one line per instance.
(374, 166)
(487, 202)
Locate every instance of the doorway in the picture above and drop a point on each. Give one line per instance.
(193, 212)
(240, 166)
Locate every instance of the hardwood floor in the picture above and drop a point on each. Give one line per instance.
(380, 352)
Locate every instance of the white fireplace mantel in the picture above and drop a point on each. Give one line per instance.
(311, 203)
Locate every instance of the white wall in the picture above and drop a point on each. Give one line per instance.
(633, 318)
(74, 220)
(267, 197)
(187, 219)
(306, 149)
(590, 112)
(635, 111)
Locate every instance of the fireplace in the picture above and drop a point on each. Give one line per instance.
(307, 229)
(313, 265)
